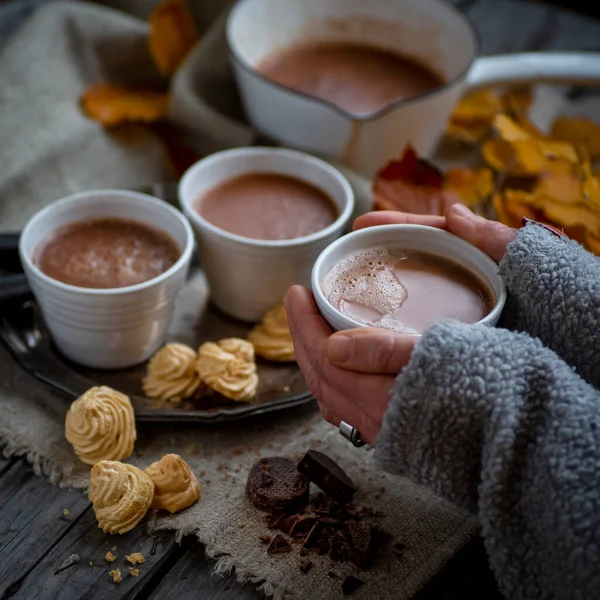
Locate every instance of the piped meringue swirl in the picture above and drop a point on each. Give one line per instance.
(100, 425)
(229, 367)
(271, 338)
(175, 485)
(172, 374)
(121, 495)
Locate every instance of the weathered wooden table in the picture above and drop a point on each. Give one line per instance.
(41, 525)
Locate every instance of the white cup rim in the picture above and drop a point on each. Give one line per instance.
(367, 232)
(74, 199)
(317, 163)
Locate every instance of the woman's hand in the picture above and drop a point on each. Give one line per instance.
(349, 373)
(491, 237)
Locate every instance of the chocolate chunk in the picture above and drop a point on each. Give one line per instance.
(279, 545)
(275, 485)
(303, 552)
(360, 536)
(327, 475)
(306, 566)
(351, 584)
(302, 526)
(330, 521)
(286, 524)
(265, 539)
(341, 549)
(313, 537)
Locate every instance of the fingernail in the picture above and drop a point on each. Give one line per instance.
(339, 348)
(461, 210)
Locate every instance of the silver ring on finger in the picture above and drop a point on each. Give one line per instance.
(351, 434)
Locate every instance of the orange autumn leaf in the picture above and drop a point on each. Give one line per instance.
(591, 184)
(479, 104)
(472, 185)
(472, 116)
(578, 131)
(592, 243)
(412, 185)
(561, 182)
(510, 131)
(512, 206)
(521, 158)
(113, 105)
(522, 151)
(517, 102)
(172, 35)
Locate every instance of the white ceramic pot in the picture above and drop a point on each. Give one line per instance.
(107, 328)
(410, 237)
(432, 31)
(249, 276)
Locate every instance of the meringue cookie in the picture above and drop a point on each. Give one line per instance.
(175, 485)
(100, 425)
(228, 367)
(121, 495)
(271, 338)
(171, 373)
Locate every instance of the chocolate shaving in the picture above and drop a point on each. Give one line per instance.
(265, 539)
(306, 566)
(351, 584)
(279, 545)
(313, 537)
(302, 526)
(287, 524)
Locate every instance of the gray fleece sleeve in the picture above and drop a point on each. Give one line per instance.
(494, 421)
(554, 287)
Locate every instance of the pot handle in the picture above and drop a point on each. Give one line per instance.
(542, 67)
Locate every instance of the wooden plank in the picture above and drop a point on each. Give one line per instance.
(31, 521)
(191, 578)
(92, 581)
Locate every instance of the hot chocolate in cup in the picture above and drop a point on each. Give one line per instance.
(261, 217)
(405, 278)
(103, 306)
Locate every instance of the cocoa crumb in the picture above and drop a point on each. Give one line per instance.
(115, 575)
(137, 558)
(264, 539)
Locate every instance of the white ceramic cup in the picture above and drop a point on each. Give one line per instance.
(249, 276)
(410, 237)
(434, 32)
(107, 328)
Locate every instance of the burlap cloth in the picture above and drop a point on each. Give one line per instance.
(49, 149)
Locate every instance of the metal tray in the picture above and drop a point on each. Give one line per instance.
(196, 320)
